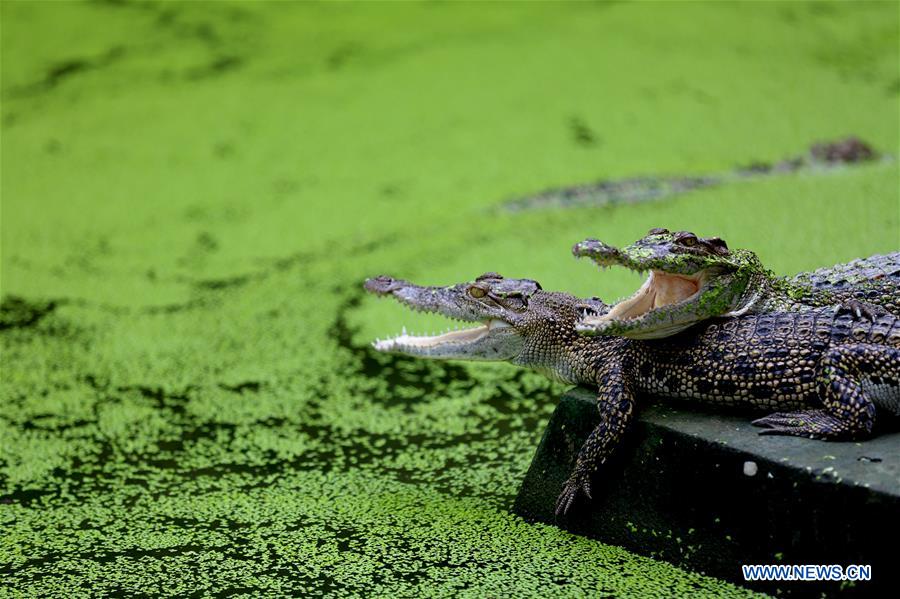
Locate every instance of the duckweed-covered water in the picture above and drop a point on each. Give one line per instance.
(192, 195)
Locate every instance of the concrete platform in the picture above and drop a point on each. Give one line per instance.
(705, 491)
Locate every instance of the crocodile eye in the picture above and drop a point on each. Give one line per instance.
(477, 292)
(687, 239)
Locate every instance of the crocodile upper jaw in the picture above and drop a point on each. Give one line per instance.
(659, 290)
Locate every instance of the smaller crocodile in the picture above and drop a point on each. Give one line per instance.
(823, 374)
(694, 278)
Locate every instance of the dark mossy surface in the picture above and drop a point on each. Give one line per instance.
(193, 193)
(702, 490)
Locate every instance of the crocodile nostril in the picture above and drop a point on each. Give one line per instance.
(380, 284)
(593, 247)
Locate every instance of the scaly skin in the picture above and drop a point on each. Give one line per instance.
(862, 271)
(823, 373)
(693, 279)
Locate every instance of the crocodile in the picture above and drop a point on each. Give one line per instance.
(695, 278)
(823, 374)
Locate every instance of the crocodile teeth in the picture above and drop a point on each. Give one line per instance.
(406, 341)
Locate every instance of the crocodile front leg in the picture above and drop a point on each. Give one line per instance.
(616, 404)
(848, 412)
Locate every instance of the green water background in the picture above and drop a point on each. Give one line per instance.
(192, 194)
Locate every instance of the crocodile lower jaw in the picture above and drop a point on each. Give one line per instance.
(459, 338)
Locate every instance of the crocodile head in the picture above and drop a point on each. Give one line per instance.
(690, 279)
(511, 320)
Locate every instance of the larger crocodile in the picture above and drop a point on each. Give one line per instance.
(694, 278)
(824, 373)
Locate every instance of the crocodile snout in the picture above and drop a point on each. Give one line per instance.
(594, 248)
(382, 284)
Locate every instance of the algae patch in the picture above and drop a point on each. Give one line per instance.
(188, 399)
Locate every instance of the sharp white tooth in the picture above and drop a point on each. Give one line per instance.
(403, 331)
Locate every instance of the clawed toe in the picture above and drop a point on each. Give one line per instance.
(815, 424)
(570, 492)
(857, 309)
(564, 502)
(779, 424)
(777, 420)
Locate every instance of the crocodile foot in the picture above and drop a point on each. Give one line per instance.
(813, 424)
(859, 310)
(578, 483)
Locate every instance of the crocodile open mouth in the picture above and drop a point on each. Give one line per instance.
(660, 290)
(448, 338)
(484, 335)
